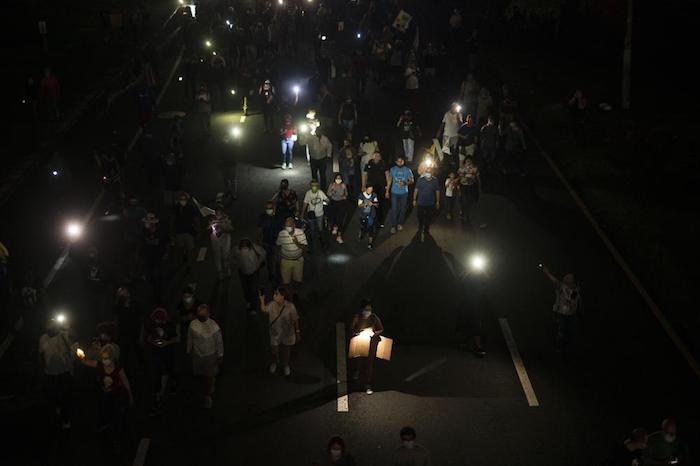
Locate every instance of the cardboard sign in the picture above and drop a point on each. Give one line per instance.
(360, 344)
(402, 21)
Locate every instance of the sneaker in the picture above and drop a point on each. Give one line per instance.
(273, 368)
(284, 166)
(290, 165)
(393, 230)
(369, 246)
(207, 402)
(399, 227)
(334, 230)
(479, 352)
(287, 370)
(368, 390)
(339, 239)
(381, 225)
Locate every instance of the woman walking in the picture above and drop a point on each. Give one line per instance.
(283, 326)
(205, 344)
(337, 192)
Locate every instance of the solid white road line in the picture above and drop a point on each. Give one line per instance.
(141, 452)
(342, 369)
(202, 254)
(518, 362)
(655, 309)
(426, 369)
(243, 118)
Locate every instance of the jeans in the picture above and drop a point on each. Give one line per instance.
(287, 151)
(268, 112)
(425, 217)
(337, 213)
(318, 170)
(348, 125)
(315, 230)
(408, 148)
(399, 205)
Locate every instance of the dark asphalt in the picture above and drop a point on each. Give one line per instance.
(624, 372)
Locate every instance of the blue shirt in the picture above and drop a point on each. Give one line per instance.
(399, 179)
(426, 191)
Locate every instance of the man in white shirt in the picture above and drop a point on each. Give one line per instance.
(449, 127)
(56, 358)
(366, 150)
(314, 201)
(292, 245)
(206, 346)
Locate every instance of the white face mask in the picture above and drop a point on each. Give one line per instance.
(183, 203)
(409, 443)
(336, 453)
(269, 211)
(338, 181)
(188, 300)
(366, 314)
(428, 175)
(669, 438)
(106, 362)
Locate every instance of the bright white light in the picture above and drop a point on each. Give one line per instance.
(213, 53)
(458, 108)
(323, 37)
(80, 353)
(179, 78)
(54, 172)
(207, 43)
(228, 23)
(367, 333)
(281, 2)
(233, 92)
(359, 35)
(74, 230)
(60, 318)
(339, 259)
(181, 2)
(296, 89)
(477, 262)
(428, 162)
(304, 128)
(24, 101)
(236, 132)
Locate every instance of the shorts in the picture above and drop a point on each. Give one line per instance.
(207, 366)
(286, 339)
(292, 270)
(184, 241)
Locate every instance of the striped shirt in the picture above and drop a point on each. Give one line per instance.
(289, 250)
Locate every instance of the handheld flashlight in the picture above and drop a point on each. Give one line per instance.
(323, 37)
(80, 353)
(54, 172)
(429, 162)
(228, 23)
(540, 265)
(233, 92)
(74, 230)
(213, 53)
(207, 43)
(477, 262)
(60, 318)
(458, 108)
(296, 90)
(180, 78)
(304, 128)
(359, 35)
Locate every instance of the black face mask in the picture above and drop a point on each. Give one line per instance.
(52, 332)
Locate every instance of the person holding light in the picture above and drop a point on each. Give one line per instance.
(283, 326)
(366, 322)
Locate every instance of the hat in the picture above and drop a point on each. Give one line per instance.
(150, 218)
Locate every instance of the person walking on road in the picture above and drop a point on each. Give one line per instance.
(451, 194)
(285, 201)
(410, 453)
(202, 103)
(368, 322)
(283, 326)
(220, 237)
(566, 307)
(154, 252)
(488, 142)
(347, 163)
(451, 121)
(116, 394)
(665, 447)
(56, 360)
(367, 202)
(410, 131)
(347, 117)
(337, 209)
(426, 198)
(469, 190)
(629, 452)
(336, 454)
(320, 152)
(187, 310)
(292, 245)
(250, 259)
(185, 225)
(161, 338)
(206, 347)
(365, 151)
(268, 96)
(376, 173)
(288, 136)
(400, 179)
(130, 316)
(468, 135)
(313, 211)
(269, 226)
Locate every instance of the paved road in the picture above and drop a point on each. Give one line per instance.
(624, 372)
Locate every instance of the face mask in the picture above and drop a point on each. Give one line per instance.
(338, 181)
(670, 438)
(314, 189)
(336, 453)
(366, 314)
(409, 443)
(269, 211)
(106, 362)
(183, 203)
(428, 175)
(202, 318)
(188, 300)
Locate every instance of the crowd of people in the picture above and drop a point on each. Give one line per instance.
(374, 185)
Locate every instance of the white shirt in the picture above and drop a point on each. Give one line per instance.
(249, 259)
(204, 338)
(315, 201)
(56, 353)
(289, 250)
(452, 122)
